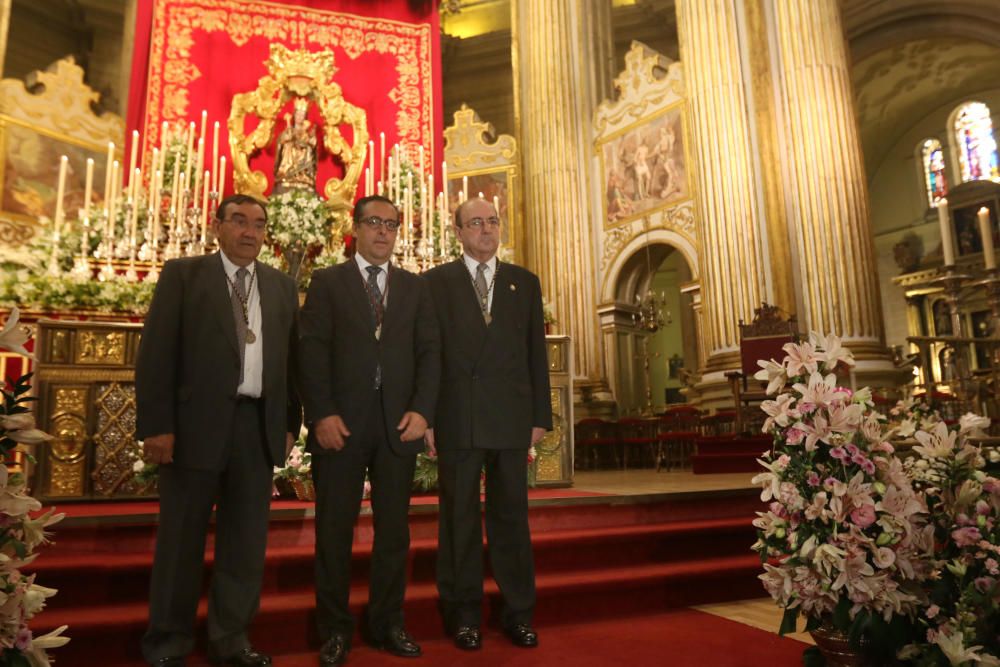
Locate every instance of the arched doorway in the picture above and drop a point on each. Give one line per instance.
(671, 350)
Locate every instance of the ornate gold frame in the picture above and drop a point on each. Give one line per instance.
(469, 152)
(306, 75)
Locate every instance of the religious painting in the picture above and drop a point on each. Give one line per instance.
(29, 171)
(496, 186)
(644, 167)
(966, 222)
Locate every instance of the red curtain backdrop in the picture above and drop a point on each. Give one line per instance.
(194, 55)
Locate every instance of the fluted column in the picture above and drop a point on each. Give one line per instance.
(734, 270)
(555, 103)
(826, 194)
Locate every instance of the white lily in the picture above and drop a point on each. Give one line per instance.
(13, 337)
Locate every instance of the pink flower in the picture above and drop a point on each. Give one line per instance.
(992, 566)
(848, 394)
(806, 408)
(863, 516)
(868, 466)
(852, 449)
(966, 537)
(23, 640)
(830, 483)
(812, 479)
(794, 436)
(858, 458)
(839, 453)
(933, 611)
(982, 507)
(984, 584)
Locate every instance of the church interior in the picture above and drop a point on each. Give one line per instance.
(696, 183)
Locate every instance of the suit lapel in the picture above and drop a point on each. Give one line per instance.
(218, 293)
(503, 295)
(352, 283)
(467, 301)
(396, 293)
(269, 324)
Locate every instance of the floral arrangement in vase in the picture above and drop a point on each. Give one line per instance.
(844, 541)
(298, 231)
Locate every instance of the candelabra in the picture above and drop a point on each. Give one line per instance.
(952, 281)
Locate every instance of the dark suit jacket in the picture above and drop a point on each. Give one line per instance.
(188, 366)
(494, 379)
(338, 352)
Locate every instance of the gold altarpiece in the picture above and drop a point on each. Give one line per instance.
(299, 75)
(648, 117)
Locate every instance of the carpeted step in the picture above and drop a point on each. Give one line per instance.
(286, 621)
(709, 464)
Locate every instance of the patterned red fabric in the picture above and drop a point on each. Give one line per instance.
(192, 55)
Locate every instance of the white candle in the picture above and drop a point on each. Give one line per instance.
(88, 188)
(443, 222)
(151, 198)
(133, 230)
(107, 176)
(164, 136)
(175, 184)
(381, 155)
(204, 121)
(157, 180)
(496, 205)
(222, 176)
(986, 231)
(465, 188)
(204, 209)
(370, 174)
(215, 157)
(947, 244)
(368, 189)
(429, 205)
(189, 162)
(421, 162)
(197, 168)
(132, 183)
(60, 193)
(112, 206)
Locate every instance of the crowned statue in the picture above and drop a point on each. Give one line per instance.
(295, 157)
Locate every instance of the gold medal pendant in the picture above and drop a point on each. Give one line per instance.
(251, 337)
(378, 332)
(488, 317)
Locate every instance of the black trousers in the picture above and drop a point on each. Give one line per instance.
(242, 496)
(460, 535)
(339, 479)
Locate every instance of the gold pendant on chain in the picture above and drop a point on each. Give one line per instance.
(251, 337)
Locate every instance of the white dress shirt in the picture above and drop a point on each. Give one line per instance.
(253, 357)
(363, 265)
(491, 266)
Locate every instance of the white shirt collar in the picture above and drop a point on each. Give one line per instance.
(231, 267)
(364, 264)
(473, 264)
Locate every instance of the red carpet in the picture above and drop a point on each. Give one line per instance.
(623, 561)
(680, 638)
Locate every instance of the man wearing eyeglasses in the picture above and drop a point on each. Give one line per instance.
(216, 410)
(493, 405)
(370, 365)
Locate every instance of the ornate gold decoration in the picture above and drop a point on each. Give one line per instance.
(299, 75)
(115, 448)
(550, 448)
(101, 347)
(84, 375)
(649, 82)
(67, 450)
(471, 144)
(59, 349)
(557, 361)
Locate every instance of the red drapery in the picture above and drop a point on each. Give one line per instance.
(192, 55)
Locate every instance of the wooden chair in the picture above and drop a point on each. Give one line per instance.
(761, 339)
(680, 428)
(722, 422)
(595, 439)
(640, 439)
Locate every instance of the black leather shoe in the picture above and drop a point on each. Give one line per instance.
(522, 635)
(334, 651)
(245, 658)
(168, 662)
(468, 638)
(399, 642)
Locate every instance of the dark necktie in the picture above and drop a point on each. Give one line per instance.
(483, 291)
(375, 302)
(238, 297)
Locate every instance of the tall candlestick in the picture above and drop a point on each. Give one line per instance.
(204, 121)
(465, 188)
(222, 176)
(88, 188)
(429, 204)
(370, 174)
(443, 222)
(175, 185)
(421, 162)
(189, 155)
(368, 190)
(155, 205)
(133, 231)
(197, 168)
(60, 193)
(381, 155)
(947, 244)
(112, 209)
(986, 231)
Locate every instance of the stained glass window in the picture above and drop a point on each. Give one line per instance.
(977, 150)
(934, 179)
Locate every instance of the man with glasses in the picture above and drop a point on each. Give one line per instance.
(216, 410)
(494, 404)
(370, 365)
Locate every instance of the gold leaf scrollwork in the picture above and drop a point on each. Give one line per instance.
(299, 74)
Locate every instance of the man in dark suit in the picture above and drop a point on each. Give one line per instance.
(216, 410)
(370, 365)
(494, 404)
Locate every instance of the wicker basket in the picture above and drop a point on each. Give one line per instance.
(304, 489)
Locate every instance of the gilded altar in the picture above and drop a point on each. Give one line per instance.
(85, 384)
(554, 453)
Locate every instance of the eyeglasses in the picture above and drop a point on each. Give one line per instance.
(375, 222)
(244, 224)
(480, 222)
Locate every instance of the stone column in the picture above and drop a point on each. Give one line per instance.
(826, 195)
(733, 243)
(556, 97)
